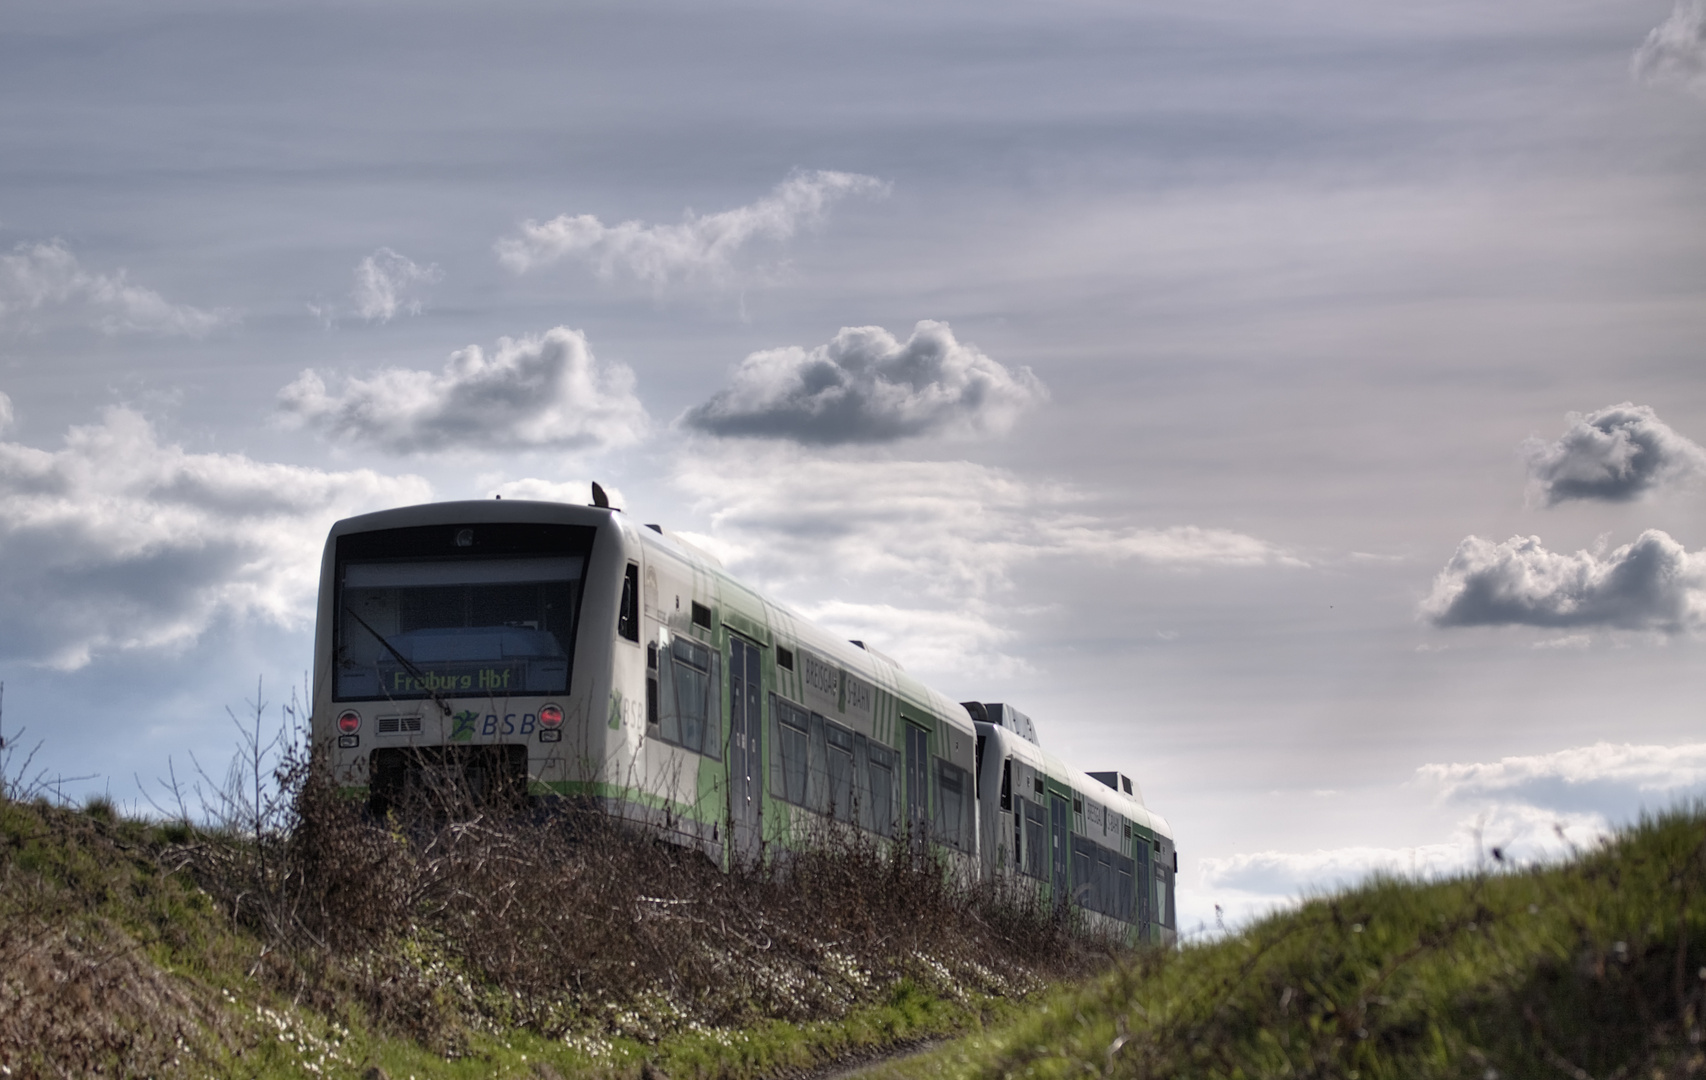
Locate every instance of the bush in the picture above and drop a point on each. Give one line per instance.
(456, 913)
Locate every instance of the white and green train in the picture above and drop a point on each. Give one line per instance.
(567, 653)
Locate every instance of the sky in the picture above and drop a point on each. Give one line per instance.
(1299, 407)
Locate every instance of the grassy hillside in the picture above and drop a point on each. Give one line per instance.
(1592, 969)
(312, 942)
(315, 943)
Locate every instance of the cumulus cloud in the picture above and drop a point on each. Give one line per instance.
(530, 393)
(1674, 53)
(866, 386)
(701, 247)
(386, 284)
(966, 526)
(46, 277)
(1651, 584)
(121, 541)
(1615, 454)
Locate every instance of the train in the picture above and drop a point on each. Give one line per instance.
(566, 653)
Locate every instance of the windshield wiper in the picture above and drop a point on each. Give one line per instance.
(408, 665)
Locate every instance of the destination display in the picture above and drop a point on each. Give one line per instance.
(412, 629)
(833, 692)
(462, 679)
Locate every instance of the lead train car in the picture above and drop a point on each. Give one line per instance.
(569, 653)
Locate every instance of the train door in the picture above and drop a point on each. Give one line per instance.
(917, 782)
(746, 756)
(1061, 828)
(1143, 880)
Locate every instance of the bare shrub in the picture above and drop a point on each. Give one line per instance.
(460, 905)
(463, 907)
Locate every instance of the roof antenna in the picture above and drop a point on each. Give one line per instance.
(599, 498)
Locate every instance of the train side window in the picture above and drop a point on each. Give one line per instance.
(1123, 898)
(791, 728)
(1105, 877)
(839, 742)
(1037, 782)
(628, 620)
(669, 714)
(1036, 840)
(954, 806)
(1018, 838)
(652, 685)
(977, 766)
(698, 697)
(1006, 783)
(1083, 869)
(701, 615)
(877, 807)
(817, 776)
(784, 658)
(861, 779)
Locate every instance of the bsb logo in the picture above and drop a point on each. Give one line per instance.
(468, 723)
(464, 729)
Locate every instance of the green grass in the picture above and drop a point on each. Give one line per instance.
(1595, 968)
(114, 962)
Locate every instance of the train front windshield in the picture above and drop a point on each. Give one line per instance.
(413, 624)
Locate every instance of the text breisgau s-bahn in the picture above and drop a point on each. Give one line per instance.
(573, 654)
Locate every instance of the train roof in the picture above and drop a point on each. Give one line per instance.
(527, 510)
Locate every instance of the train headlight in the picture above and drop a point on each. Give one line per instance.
(349, 722)
(551, 717)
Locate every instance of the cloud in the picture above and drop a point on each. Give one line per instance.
(119, 541)
(531, 393)
(866, 386)
(385, 282)
(1531, 808)
(1537, 807)
(965, 526)
(966, 642)
(1615, 454)
(1651, 584)
(1674, 53)
(1611, 780)
(699, 248)
(44, 276)
(1293, 874)
(574, 492)
(1568, 641)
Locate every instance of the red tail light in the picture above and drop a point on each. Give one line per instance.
(349, 722)
(550, 717)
